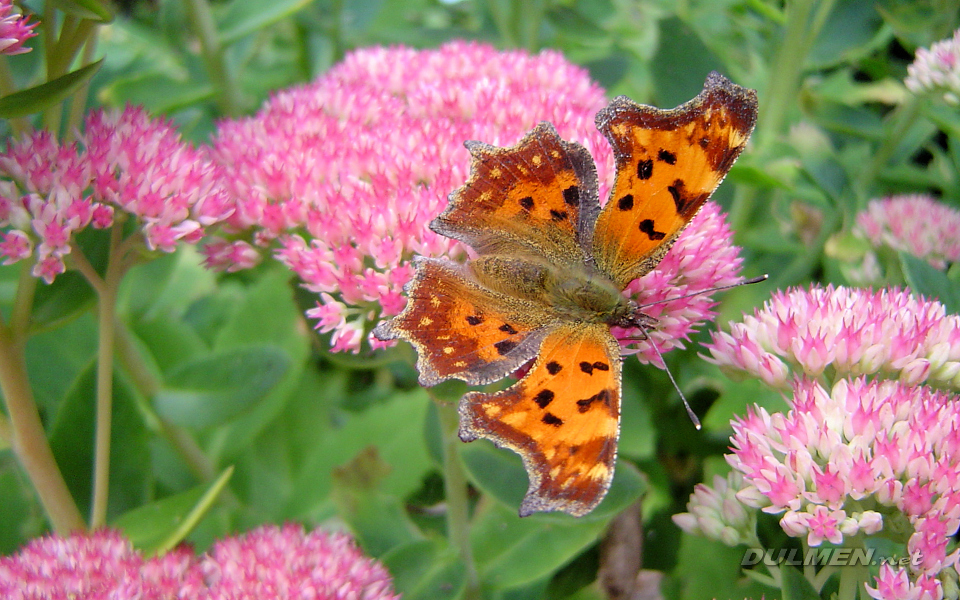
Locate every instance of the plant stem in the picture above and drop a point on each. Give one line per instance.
(107, 310)
(214, 56)
(27, 436)
(455, 487)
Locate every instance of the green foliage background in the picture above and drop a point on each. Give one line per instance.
(353, 442)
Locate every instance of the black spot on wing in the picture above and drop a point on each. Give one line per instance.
(543, 398)
(645, 169)
(507, 328)
(474, 319)
(666, 156)
(527, 202)
(603, 396)
(552, 419)
(558, 215)
(571, 196)
(553, 367)
(647, 227)
(505, 346)
(625, 203)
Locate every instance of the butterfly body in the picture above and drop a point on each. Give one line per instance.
(573, 292)
(547, 283)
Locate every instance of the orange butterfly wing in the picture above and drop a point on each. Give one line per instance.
(462, 329)
(563, 418)
(535, 198)
(668, 164)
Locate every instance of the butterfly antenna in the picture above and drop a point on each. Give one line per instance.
(715, 289)
(693, 415)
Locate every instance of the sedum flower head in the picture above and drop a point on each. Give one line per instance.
(271, 562)
(937, 70)
(838, 332)
(288, 564)
(716, 512)
(125, 161)
(918, 224)
(857, 459)
(98, 566)
(345, 174)
(14, 29)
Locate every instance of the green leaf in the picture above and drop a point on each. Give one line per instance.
(86, 9)
(33, 100)
(500, 474)
(72, 442)
(56, 358)
(378, 520)
(796, 586)
(681, 64)
(512, 551)
(244, 17)
(214, 389)
(394, 427)
(161, 525)
(923, 278)
(159, 92)
(425, 570)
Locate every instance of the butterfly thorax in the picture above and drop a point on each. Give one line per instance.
(576, 292)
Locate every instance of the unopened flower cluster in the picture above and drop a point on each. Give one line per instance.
(14, 29)
(917, 224)
(126, 161)
(270, 562)
(869, 445)
(346, 173)
(937, 70)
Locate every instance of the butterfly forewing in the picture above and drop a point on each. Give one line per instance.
(538, 197)
(463, 330)
(562, 418)
(668, 163)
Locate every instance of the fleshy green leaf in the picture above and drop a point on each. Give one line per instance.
(796, 586)
(216, 388)
(425, 570)
(247, 16)
(930, 282)
(33, 100)
(512, 551)
(92, 10)
(161, 525)
(72, 442)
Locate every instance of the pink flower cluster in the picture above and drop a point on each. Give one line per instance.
(840, 460)
(920, 225)
(937, 70)
(125, 160)
(346, 173)
(270, 562)
(840, 332)
(14, 30)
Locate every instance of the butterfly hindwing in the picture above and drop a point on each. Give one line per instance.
(562, 418)
(538, 197)
(668, 163)
(462, 329)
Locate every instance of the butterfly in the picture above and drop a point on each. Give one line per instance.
(547, 280)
